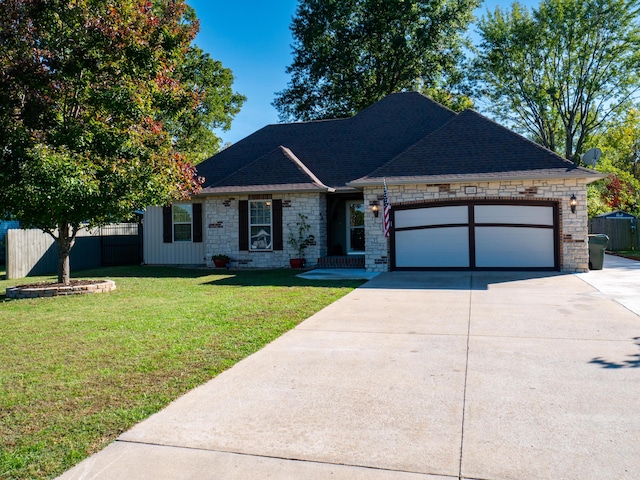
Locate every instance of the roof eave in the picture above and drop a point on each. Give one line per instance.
(467, 178)
(251, 189)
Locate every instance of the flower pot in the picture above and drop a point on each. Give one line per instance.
(296, 262)
(220, 263)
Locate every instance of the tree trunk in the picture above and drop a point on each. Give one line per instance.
(65, 242)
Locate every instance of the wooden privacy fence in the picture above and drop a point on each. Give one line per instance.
(33, 252)
(622, 232)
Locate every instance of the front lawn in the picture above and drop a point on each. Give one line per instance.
(75, 372)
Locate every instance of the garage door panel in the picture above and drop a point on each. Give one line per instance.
(431, 216)
(497, 235)
(515, 214)
(514, 247)
(432, 248)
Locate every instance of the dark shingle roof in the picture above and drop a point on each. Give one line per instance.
(471, 146)
(404, 137)
(335, 151)
(279, 169)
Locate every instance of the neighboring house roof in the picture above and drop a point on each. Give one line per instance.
(405, 137)
(615, 214)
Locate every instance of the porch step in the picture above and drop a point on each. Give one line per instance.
(341, 261)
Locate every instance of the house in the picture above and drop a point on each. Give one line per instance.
(464, 193)
(616, 215)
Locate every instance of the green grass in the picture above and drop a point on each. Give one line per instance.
(75, 372)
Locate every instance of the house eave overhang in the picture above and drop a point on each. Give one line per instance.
(471, 178)
(256, 189)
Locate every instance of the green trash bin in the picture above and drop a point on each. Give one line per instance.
(597, 246)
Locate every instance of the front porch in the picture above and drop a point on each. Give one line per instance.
(341, 261)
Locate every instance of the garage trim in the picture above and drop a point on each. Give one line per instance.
(473, 226)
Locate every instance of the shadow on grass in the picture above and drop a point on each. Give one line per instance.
(143, 271)
(634, 362)
(269, 277)
(276, 278)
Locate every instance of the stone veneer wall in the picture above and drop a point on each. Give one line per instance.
(574, 250)
(221, 230)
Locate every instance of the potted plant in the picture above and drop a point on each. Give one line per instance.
(221, 261)
(300, 239)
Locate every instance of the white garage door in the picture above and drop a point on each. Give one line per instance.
(480, 235)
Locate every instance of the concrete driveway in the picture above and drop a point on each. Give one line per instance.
(419, 376)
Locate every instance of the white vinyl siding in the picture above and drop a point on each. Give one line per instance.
(156, 252)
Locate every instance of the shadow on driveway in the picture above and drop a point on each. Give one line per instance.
(438, 280)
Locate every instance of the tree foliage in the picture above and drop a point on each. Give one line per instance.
(559, 72)
(211, 105)
(348, 54)
(90, 96)
(620, 145)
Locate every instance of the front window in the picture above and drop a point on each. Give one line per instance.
(182, 223)
(355, 235)
(260, 225)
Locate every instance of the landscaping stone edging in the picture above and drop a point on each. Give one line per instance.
(102, 286)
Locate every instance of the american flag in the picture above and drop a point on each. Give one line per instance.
(385, 210)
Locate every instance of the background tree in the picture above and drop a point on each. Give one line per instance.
(84, 89)
(348, 54)
(620, 145)
(559, 72)
(215, 105)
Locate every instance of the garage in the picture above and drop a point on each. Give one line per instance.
(490, 235)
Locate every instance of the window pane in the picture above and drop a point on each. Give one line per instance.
(182, 213)
(356, 214)
(357, 239)
(260, 238)
(182, 232)
(260, 225)
(260, 213)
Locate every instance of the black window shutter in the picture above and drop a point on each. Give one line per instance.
(167, 225)
(276, 211)
(197, 222)
(243, 224)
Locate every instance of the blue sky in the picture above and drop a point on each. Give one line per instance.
(252, 38)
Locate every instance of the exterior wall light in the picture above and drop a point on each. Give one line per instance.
(573, 202)
(375, 207)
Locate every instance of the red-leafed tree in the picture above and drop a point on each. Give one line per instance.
(88, 93)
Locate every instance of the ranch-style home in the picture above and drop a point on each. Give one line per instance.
(464, 193)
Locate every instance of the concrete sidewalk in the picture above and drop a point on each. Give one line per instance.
(418, 376)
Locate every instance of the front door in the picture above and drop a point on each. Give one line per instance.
(355, 226)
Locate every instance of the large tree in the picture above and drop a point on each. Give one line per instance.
(85, 86)
(348, 54)
(191, 126)
(559, 72)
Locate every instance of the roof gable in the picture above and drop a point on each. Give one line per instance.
(279, 168)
